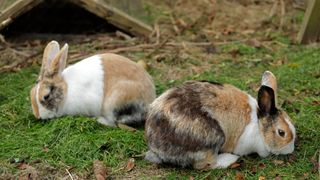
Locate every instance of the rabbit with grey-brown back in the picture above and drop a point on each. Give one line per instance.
(209, 125)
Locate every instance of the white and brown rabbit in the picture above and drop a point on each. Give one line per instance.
(108, 86)
(209, 125)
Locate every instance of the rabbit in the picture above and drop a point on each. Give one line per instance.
(107, 86)
(208, 125)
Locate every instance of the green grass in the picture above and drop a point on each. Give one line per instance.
(78, 141)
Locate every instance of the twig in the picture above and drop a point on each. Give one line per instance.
(319, 163)
(117, 50)
(158, 35)
(175, 27)
(131, 48)
(273, 9)
(190, 43)
(154, 46)
(123, 35)
(69, 174)
(2, 3)
(204, 43)
(142, 155)
(23, 63)
(283, 12)
(117, 170)
(18, 52)
(299, 7)
(281, 44)
(158, 46)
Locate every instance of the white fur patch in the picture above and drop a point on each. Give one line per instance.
(224, 160)
(106, 122)
(85, 88)
(251, 140)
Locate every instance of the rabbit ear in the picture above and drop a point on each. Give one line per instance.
(50, 52)
(266, 101)
(268, 79)
(59, 62)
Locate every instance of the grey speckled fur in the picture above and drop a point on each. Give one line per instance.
(133, 113)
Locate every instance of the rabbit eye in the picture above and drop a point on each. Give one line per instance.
(281, 133)
(51, 88)
(46, 97)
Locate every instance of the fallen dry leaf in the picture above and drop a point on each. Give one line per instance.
(292, 158)
(99, 170)
(262, 178)
(254, 169)
(27, 172)
(262, 166)
(130, 165)
(228, 31)
(239, 176)
(315, 102)
(24, 177)
(277, 162)
(235, 52)
(182, 23)
(125, 127)
(45, 149)
(143, 64)
(315, 164)
(255, 43)
(22, 166)
(277, 178)
(235, 165)
(248, 31)
(305, 175)
(191, 178)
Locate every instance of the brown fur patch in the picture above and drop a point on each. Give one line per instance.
(34, 104)
(270, 125)
(126, 78)
(232, 110)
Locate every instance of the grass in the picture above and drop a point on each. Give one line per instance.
(75, 142)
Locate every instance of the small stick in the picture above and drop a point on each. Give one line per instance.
(175, 27)
(190, 44)
(283, 12)
(158, 35)
(319, 163)
(18, 52)
(69, 174)
(123, 35)
(142, 155)
(273, 9)
(12, 66)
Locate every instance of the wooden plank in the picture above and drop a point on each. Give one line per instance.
(310, 28)
(15, 10)
(131, 7)
(115, 16)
